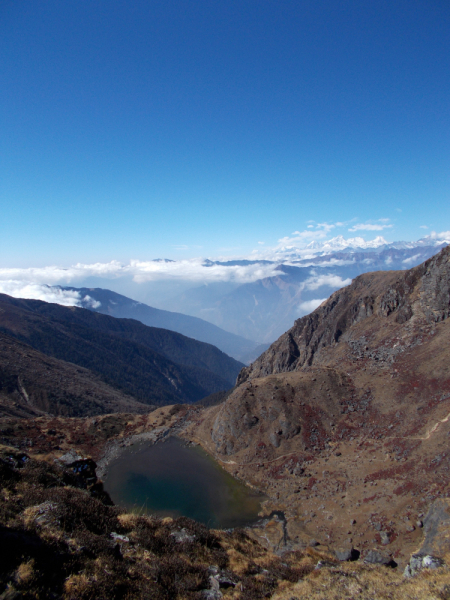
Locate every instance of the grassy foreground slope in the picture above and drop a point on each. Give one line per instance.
(60, 537)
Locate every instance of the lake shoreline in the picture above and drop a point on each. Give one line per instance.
(177, 477)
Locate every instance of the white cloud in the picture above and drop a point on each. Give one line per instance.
(423, 226)
(37, 291)
(332, 281)
(262, 243)
(444, 236)
(411, 259)
(313, 232)
(306, 307)
(370, 227)
(196, 270)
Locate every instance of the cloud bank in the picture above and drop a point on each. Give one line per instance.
(38, 291)
(42, 283)
(307, 307)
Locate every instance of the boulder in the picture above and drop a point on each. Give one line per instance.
(374, 557)
(346, 553)
(418, 562)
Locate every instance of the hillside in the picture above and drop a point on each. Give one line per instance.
(61, 538)
(152, 365)
(344, 420)
(33, 384)
(110, 303)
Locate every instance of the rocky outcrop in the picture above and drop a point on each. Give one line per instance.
(436, 527)
(381, 299)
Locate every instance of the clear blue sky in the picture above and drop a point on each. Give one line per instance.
(181, 128)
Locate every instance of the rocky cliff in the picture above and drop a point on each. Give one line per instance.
(412, 299)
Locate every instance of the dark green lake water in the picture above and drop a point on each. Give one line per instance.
(173, 479)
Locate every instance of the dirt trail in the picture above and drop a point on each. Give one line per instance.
(426, 437)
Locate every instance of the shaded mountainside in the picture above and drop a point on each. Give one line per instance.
(344, 421)
(119, 306)
(154, 366)
(33, 384)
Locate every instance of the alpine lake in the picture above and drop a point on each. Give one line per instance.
(172, 479)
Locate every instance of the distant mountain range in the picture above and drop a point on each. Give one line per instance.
(148, 365)
(109, 303)
(238, 305)
(266, 308)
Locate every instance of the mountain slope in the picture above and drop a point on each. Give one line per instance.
(154, 366)
(379, 301)
(33, 384)
(120, 306)
(344, 420)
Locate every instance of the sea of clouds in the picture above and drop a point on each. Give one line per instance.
(43, 283)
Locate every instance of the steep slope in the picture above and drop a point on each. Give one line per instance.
(120, 306)
(154, 366)
(384, 305)
(344, 421)
(33, 384)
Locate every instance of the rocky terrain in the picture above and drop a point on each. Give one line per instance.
(344, 421)
(60, 537)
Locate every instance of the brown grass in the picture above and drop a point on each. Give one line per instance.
(351, 580)
(55, 542)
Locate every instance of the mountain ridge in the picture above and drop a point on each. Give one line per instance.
(154, 366)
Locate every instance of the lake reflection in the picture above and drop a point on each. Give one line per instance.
(172, 479)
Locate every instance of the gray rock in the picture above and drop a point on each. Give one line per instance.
(432, 562)
(275, 439)
(182, 536)
(385, 538)
(118, 537)
(377, 558)
(213, 583)
(69, 457)
(345, 553)
(418, 562)
(324, 563)
(212, 594)
(436, 528)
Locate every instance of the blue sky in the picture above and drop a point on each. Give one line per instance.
(176, 128)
